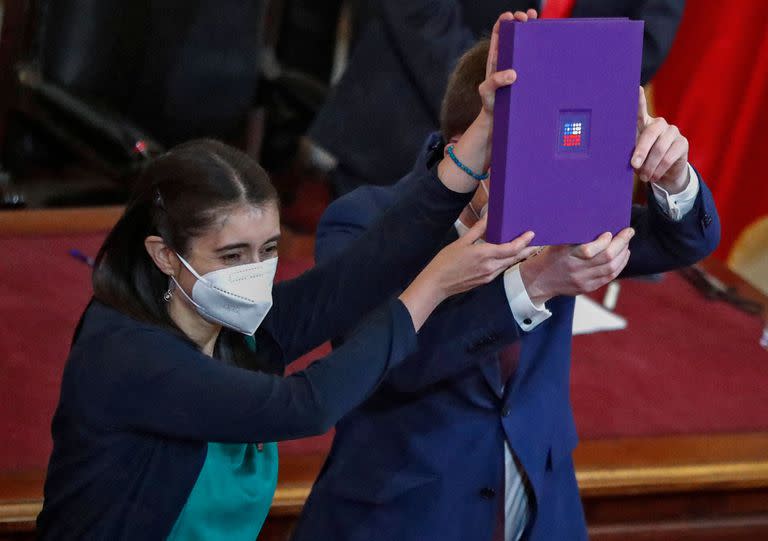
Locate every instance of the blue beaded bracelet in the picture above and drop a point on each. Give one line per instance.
(464, 168)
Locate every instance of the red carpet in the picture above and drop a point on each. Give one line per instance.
(685, 365)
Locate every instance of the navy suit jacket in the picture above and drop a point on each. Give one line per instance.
(421, 459)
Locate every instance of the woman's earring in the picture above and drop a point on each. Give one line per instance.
(169, 292)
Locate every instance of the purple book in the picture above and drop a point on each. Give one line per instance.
(564, 132)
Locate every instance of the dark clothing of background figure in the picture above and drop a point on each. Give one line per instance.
(388, 99)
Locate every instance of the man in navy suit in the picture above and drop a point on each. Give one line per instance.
(473, 439)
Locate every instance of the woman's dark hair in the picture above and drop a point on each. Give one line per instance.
(177, 197)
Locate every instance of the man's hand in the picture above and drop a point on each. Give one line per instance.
(572, 270)
(661, 152)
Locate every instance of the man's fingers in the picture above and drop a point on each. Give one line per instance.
(613, 268)
(616, 247)
(678, 150)
(597, 277)
(532, 14)
(623, 264)
(642, 111)
(627, 233)
(646, 140)
(591, 249)
(658, 151)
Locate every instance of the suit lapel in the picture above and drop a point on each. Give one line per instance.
(492, 375)
(489, 368)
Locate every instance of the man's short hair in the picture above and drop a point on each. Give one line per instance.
(461, 103)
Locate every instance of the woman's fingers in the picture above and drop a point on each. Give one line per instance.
(497, 80)
(511, 248)
(528, 252)
(476, 231)
(502, 264)
(521, 16)
(493, 51)
(492, 257)
(487, 90)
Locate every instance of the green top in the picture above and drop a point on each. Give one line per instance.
(232, 494)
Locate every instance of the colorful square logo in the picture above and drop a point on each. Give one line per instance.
(573, 132)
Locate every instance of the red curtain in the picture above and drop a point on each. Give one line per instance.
(714, 87)
(557, 9)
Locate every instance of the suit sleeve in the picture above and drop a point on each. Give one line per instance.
(465, 330)
(329, 300)
(661, 244)
(155, 383)
(347, 219)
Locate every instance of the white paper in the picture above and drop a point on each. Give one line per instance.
(590, 317)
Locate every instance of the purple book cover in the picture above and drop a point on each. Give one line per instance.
(564, 132)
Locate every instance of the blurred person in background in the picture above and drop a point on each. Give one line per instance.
(388, 99)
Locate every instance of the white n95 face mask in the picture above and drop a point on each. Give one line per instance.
(238, 297)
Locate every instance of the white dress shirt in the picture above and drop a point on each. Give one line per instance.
(529, 316)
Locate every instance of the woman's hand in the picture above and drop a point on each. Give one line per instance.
(496, 79)
(473, 149)
(461, 266)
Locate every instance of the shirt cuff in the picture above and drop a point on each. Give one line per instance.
(678, 205)
(527, 314)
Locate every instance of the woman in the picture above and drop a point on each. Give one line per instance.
(172, 395)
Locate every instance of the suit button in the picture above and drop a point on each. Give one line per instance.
(706, 221)
(487, 493)
(506, 411)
